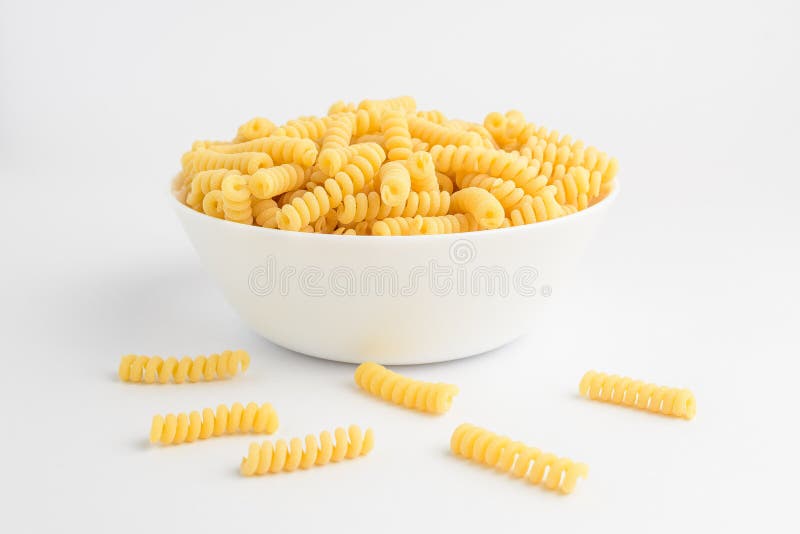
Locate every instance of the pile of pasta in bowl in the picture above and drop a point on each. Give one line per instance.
(383, 167)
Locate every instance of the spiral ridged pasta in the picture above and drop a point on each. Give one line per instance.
(265, 212)
(635, 393)
(448, 224)
(340, 106)
(254, 128)
(433, 115)
(520, 460)
(396, 137)
(204, 182)
(444, 182)
(172, 429)
(422, 172)
(397, 226)
(269, 457)
(152, 369)
(305, 128)
(245, 162)
(268, 183)
(236, 203)
(436, 134)
(398, 389)
(576, 187)
(542, 207)
(453, 160)
(368, 206)
(310, 206)
(364, 164)
(281, 149)
(334, 153)
(213, 204)
(506, 191)
(395, 183)
(480, 203)
(376, 108)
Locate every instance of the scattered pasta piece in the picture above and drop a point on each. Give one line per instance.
(185, 428)
(152, 369)
(415, 394)
(518, 459)
(637, 394)
(268, 457)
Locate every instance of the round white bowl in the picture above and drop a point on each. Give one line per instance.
(392, 300)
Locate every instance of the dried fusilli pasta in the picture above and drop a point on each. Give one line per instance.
(174, 429)
(385, 160)
(637, 394)
(393, 387)
(478, 202)
(395, 183)
(520, 460)
(152, 369)
(269, 457)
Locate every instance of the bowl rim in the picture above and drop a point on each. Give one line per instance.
(534, 227)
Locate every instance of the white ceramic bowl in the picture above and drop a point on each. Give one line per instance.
(392, 300)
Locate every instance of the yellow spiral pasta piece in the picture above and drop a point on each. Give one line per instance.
(281, 149)
(448, 224)
(245, 162)
(417, 145)
(478, 202)
(543, 207)
(254, 128)
(269, 457)
(453, 160)
(422, 172)
(637, 394)
(149, 370)
(236, 203)
(213, 204)
(520, 460)
(404, 391)
(436, 134)
(334, 153)
(397, 226)
(376, 108)
(444, 182)
(204, 182)
(395, 183)
(340, 106)
(433, 115)
(576, 187)
(368, 206)
(265, 212)
(268, 183)
(396, 137)
(364, 164)
(310, 206)
(510, 196)
(305, 128)
(174, 429)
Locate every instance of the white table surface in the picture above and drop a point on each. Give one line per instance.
(691, 282)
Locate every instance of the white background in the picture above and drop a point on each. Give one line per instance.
(693, 280)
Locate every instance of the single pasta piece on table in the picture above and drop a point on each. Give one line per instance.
(152, 369)
(268, 457)
(520, 460)
(185, 428)
(625, 391)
